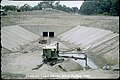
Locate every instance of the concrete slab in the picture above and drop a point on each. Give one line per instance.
(15, 36)
(84, 37)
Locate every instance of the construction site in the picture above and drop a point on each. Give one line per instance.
(52, 44)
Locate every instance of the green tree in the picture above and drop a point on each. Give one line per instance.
(114, 10)
(9, 7)
(26, 7)
(35, 8)
(74, 9)
(88, 7)
(47, 4)
(51, 3)
(108, 7)
(39, 6)
(56, 5)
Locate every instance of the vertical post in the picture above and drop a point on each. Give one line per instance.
(57, 48)
(85, 60)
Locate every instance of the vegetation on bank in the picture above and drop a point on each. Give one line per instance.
(40, 6)
(105, 7)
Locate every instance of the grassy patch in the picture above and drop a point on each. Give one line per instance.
(59, 18)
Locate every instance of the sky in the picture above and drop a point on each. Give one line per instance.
(33, 3)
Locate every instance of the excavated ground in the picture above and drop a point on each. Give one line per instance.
(19, 64)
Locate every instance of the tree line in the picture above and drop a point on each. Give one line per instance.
(89, 7)
(40, 6)
(105, 7)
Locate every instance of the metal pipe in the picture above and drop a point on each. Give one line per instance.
(57, 48)
(85, 60)
(70, 53)
(72, 57)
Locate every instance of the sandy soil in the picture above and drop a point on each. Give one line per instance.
(19, 65)
(22, 64)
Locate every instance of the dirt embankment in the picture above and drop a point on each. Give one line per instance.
(23, 63)
(60, 18)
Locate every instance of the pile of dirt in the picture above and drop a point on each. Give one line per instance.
(68, 65)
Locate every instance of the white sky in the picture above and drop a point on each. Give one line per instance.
(32, 3)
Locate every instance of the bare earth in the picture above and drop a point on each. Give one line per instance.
(19, 65)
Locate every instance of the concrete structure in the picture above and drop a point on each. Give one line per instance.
(86, 37)
(39, 29)
(12, 37)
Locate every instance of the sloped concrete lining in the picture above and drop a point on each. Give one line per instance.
(85, 37)
(111, 37)
(14, 36)
(68, 32)
(39, 29)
